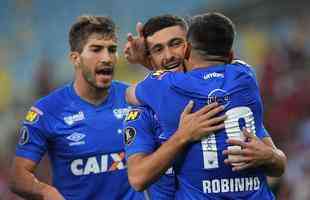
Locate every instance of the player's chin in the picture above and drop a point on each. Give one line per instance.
(104, 84)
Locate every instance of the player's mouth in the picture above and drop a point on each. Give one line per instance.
(104, 73)
(172, 65)
(108, 71)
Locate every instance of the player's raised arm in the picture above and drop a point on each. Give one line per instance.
(135, 50)
(24, 183)
(144, 169)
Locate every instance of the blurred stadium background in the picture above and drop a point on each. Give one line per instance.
(272, 36)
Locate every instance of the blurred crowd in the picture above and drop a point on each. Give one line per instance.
(285, 83)
(282, 61)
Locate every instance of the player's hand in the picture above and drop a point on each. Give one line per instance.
(201, 123)
(134, 50)
(253, 152)
(51, 193)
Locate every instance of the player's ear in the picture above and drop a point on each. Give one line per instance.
(74, 58)
(230, 56)
(151, 61)
(188, 51)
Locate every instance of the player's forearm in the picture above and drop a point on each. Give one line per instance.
(23, 182)
(148, 169)
(27, 186)
(275, 167)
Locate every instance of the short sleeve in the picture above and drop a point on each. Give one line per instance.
(139, 132)
(33, 139)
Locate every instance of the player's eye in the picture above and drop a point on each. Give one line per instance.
(96, 50)
(177, 42)
(156, 49)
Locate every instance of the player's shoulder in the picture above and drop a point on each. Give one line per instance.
(138, 112)
(43, 108)
(241, 66)
(53, 101)
(119, 93)
(158, 74)
(120, 84)
(241, 69)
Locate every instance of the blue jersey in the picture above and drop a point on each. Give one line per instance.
(141, 132)
(84, 143)
(201, 171)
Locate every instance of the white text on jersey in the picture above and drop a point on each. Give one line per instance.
(96, 165)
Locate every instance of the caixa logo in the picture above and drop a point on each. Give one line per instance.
(220, 96)
(98, 164)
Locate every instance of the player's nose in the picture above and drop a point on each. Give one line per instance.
(105, 57)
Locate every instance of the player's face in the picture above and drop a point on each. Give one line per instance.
(97, 61)
(167, 47)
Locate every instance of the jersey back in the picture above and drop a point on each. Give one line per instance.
(201, 171)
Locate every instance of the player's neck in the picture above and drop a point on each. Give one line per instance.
(196, 62)
(90, 93)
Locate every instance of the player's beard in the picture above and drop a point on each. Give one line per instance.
(90, 77)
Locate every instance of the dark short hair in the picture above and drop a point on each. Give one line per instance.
(211, 34)
(85, 26)
(160, 22)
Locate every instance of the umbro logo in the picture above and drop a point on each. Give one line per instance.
(76, 139)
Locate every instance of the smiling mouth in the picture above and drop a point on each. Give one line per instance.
(172, 65)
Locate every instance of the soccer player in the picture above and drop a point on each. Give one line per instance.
(79, 126)
(142, 130)
(203, 171)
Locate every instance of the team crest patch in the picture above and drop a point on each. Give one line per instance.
(129, 135)
(24, 135)
(159, 74)
(33, 115)
(133, 115)
(220, 96)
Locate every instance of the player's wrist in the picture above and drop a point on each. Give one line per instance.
(271, 158)
(41, 188)
(182, 137)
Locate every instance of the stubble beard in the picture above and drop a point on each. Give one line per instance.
(90, 79)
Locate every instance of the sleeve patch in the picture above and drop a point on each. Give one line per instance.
(33, 115)
(133, 114)
(23, 135)
(129, 135)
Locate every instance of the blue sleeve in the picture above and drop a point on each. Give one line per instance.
(33, 139)
(150, 87)
(139, 132)
(261, 131)
(254, 99)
